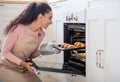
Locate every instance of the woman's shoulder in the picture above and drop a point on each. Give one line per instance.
(20, 28)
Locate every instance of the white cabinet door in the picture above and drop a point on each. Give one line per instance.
(103, 34)
(103, 25)
(95, 43)
(112, 51)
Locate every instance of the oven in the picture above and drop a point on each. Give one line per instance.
(74, 60)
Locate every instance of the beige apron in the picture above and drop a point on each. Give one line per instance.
(11, 72)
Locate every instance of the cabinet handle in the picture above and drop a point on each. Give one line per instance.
(101, 59)
(97, 57)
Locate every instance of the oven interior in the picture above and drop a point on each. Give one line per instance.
(75, 59)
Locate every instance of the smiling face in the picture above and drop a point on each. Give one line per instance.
(45, 20)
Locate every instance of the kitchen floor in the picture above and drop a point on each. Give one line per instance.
(45, 77)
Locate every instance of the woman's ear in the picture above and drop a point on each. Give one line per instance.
(39, 16)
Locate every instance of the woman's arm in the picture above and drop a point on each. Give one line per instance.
(8, 44)
(36, 53)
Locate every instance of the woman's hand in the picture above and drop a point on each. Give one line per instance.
(49, 49)
(27, 65)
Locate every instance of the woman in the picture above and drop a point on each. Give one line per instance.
(24, 35)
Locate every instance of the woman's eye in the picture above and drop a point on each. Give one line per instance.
(50, 18)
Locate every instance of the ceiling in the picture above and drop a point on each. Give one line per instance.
(49, 1)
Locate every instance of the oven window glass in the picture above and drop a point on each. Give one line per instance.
(75, 59)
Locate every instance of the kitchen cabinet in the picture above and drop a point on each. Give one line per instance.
(102, 31)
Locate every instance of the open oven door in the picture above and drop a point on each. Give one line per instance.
(57, 67)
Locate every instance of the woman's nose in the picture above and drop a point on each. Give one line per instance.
(51, 22)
